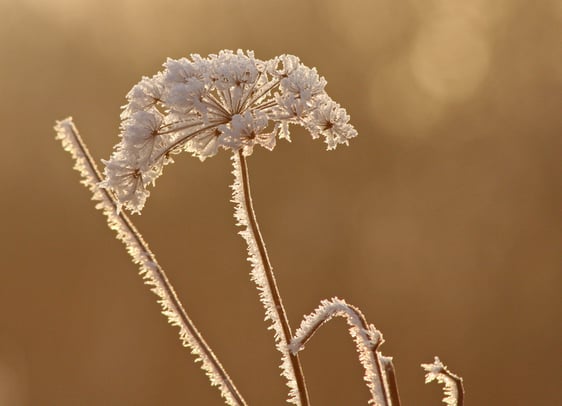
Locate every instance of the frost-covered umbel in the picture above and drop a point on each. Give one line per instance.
(230, 100)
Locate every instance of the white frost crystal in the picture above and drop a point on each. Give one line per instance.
(452, 383)
(367, 340)
(231, 101)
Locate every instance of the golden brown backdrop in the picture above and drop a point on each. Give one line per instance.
(441, 221)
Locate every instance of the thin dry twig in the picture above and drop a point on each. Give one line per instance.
(151, 271)
(378, 369)
(262, 275)
(453, 387)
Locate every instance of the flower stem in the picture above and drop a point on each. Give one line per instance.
(367, 339)
(453, 387)
(277, 311)
(390, 374)
(152, 272)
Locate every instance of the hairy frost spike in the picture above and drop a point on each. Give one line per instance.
(151, 272)
(367, 340)
(231, 101)
(453, 388)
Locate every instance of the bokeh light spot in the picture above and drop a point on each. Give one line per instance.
(399, 104)
(450, 58)
(370, 25)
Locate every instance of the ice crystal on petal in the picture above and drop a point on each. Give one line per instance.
(304, 83)
(230, 100)
(183, 97)
(181, 70)
(144, 95)
(247, 130)
(332, 122)
(141, 132)
(127, 182)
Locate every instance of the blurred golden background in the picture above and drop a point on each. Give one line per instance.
(441, 221)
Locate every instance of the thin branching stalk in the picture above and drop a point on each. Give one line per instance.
(452, 384)
(262, 275)
(150, 270)
(367, 340)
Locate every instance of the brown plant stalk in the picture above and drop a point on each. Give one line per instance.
(152, 272)
(278, 309)
(379, 371)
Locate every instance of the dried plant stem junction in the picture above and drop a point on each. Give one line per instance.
(271, 283)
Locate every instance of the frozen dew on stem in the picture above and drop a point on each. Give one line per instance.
(452, 384)
(230, 100)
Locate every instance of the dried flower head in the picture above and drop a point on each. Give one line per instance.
(231, 101)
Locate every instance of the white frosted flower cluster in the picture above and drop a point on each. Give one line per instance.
(230, 100)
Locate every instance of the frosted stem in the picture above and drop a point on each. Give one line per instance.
(452, 384)
(367, 340)
(150, 270)
(390, 378)
(262, 275)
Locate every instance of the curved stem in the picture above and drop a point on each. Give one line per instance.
(266, 281)
(367, 339)
(452, 383)
(152, 272)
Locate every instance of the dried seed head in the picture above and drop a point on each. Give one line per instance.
(231, 101)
